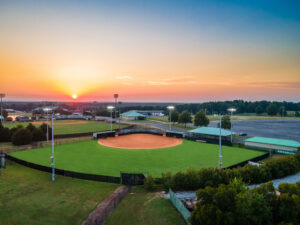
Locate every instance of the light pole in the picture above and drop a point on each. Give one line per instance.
(47, 110)
(2, 95)
(170, 113)
(110, 108)
(119, 110)
(220, 143)
(116, 100)
(52, 157)
(231, 110)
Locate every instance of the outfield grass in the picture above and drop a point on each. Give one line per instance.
(29, 197)
(90, 157)
(89, 126)
(141, 207)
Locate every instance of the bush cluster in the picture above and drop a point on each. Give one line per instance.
(21, 136)
(236, 204)
(194, 179)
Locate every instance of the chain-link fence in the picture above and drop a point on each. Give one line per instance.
(179, 206)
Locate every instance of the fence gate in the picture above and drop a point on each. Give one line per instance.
(132, 178)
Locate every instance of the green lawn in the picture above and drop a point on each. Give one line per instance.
(141, 207)
(90, 157)
(29, 197)
(89, 126)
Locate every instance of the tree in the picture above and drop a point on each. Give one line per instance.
(297, 114)
(103, 112)
(4, 134)
(174, 116)
(259, 110)
(272, 109)
(185, 117)
(201, 119)
(226, 122)
(21, 137)
(43, 127)
(282, 111)
(30, 127)
(38, 135)
(4, 113)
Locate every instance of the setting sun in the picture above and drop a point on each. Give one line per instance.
(74, 96)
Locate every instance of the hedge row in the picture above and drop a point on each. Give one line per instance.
(237, 205)
(21, 136)
(194, 179)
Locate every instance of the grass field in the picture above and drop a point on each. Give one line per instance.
(90, 157)
(89, 126)
(148, 208)
(29, 197)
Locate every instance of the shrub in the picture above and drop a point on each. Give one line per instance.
(30, 127)
(250, 174)
(149, 182)
(38, 135)
(21, 137)
(4, 134)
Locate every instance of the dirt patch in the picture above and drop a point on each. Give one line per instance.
(140, 141)
(56, 124)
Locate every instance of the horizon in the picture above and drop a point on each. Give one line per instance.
(150, 51)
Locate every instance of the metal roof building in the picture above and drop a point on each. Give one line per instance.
(211, 131)
(210, 135)
(132, 115)
(276, 145)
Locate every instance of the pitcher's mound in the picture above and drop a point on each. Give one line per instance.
(140, 141)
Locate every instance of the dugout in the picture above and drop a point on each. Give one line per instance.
(210, 135)
(275, 145)
(104, 134)
(174, 134)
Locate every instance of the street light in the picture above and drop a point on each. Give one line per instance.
(47, 110)
(220, 143)
(231, 110)
(110, 108)
(170, 109)
(2, 95)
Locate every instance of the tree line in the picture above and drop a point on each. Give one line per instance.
(22, 136)
(258, 107)
(238, 205)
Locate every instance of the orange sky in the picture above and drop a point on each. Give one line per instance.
(49, 54)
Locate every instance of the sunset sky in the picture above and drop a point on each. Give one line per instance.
(178, 51)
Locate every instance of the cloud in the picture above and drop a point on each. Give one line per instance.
(173, 81)
(123, 77)
(267, 84)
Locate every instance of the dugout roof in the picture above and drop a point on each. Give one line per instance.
(211, 131)
(274, 141)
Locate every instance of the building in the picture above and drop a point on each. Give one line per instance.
(133, 115)
(210, 135)
(156, 113)
(281, 146)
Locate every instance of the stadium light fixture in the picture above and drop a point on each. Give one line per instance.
(170, 107)
(231, 110)
(2, 95)
(110, 108)
(116, 100)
